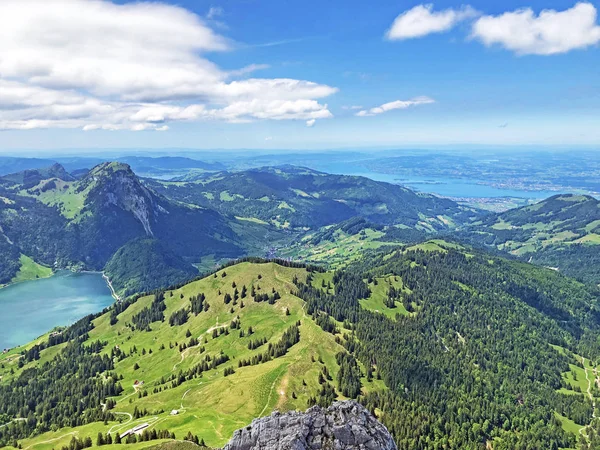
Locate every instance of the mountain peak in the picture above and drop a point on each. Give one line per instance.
(115, 184)
(110, 167)
(31, 177)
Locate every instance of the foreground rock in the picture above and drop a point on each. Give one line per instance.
(342, 426)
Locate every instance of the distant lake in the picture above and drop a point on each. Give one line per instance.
(460, 187)
(444, 186)
(31, 308)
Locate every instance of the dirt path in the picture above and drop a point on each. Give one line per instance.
(282, 391)
(216, 327)
(183, 353)
(182, 408)
(119, 425)
(271, 392)
(182, 358)
(289, 284)
(589, 393)
(20, 419)
(589, 389)
(52, 440)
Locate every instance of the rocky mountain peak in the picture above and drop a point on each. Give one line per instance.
(343, 426)
(115, 184)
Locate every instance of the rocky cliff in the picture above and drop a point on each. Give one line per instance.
(342, 426)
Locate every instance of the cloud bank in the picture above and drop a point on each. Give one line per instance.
(92, 64)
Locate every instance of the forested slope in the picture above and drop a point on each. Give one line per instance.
(450, 347)
(485, 357)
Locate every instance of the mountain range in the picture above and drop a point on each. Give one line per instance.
(60, 221)
(427, 312)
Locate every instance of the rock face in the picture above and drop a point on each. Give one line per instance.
(342, 426)
(115, 184)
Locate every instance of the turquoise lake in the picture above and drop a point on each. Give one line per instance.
(31, 308)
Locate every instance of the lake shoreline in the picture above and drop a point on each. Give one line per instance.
(14, 283)
(31, 309)
(110, 286)
(54, 272)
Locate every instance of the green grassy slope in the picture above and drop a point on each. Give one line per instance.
(30, 270)
(338, 245)
(212, 405)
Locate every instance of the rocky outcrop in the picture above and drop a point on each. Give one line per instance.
(342, 426)
(116, 184)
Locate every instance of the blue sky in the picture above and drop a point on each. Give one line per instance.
(479, 88)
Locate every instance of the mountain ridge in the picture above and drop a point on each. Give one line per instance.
(562, 231)
(297, 197)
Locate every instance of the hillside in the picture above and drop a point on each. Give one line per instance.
(338, 245)
(83, 223)
(179, 360)
(434, 337)
(13, 164)
(562, 232)
(467, 341)
(60, 221)
(130, 265)
(295, 197)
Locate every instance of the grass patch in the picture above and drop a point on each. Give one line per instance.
(212, 406)
(379, 292)
(30, 270)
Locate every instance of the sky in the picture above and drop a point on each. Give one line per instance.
(277, 74)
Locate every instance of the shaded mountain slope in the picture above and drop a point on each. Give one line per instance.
(83, 223)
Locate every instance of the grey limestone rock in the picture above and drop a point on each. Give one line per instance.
(343, 426)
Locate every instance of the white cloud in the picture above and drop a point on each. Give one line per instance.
(247, 70)
(351, 107)
(92, 64)
(423, 20)
(550, 32)
(213, 12)
(268, 138)
(398, 104)
(310, 123)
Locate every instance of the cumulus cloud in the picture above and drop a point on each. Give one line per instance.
(550, 32)
(423, 20)
(310, 123)
(93, 64)
(398, 104)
